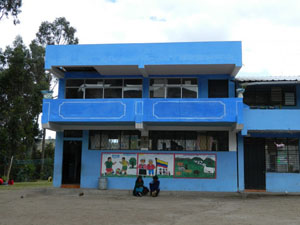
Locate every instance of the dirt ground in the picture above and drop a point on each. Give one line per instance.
(65, 206)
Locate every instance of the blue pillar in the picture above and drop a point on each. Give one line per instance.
(231, 89)
(146, 88)
(61, 88)
(203, 88)
(241, 179)
(58, 159)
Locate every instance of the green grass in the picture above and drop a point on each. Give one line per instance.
(26, 185)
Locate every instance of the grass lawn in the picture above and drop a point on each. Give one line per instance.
(23, 185)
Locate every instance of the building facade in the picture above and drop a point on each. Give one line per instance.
(170, 109)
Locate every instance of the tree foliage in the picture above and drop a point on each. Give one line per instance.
(58, 32)
(10, 7)
(22, 77)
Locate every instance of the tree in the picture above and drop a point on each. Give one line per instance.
(58, 32)
(21, 102)
(132, 162)
(10, 7)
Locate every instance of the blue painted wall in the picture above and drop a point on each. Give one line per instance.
(271, 119)
(145, 54)
(283, 182)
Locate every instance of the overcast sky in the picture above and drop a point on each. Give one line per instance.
(269, 29)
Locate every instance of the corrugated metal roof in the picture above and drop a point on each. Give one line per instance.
(259, 77)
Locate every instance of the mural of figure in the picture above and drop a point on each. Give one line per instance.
(142, 167)
(109, 164)
(124, 164)
(150, 167)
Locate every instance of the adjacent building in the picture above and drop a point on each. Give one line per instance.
(172, 110)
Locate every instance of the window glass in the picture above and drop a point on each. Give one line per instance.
(174, 81)
(74, 82)
(218, 88)
(157, 92)
(113, 93)
(132, 82)
(189, 92)
(114, 140)
(73, 133)
(173, 92)
(94, 81)
(282, 155)
(132, 92)
(94, 93)
(189, 81)
(73, 93)
(114, 83)
(188, 140)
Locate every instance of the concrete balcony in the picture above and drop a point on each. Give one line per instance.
(278, 120)
(203, 110)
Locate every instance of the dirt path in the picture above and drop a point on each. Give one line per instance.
(56, 206)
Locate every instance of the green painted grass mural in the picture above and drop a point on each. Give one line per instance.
(195, 166)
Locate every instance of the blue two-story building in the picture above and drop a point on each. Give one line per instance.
(170, 109)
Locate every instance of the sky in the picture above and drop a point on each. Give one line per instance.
(269, 29)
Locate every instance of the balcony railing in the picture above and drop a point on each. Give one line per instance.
(143, 110)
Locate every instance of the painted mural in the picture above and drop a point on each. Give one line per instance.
(119, 164)
(195, 166)
(161, 164)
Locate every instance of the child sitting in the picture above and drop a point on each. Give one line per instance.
(154, 187)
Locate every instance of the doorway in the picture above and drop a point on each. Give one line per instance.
(255, 163)
(71, 162)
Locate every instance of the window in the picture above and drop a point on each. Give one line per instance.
(188, 140)
(218, 88)
(282, 155)
(173, 88)
(270, 95)
(114, 140)
(104, 88)
(73, 133)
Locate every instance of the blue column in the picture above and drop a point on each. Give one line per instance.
(61, 88)
(241, 178)
(231, 89)
(146, 87)
(58, 159)
(203, 87)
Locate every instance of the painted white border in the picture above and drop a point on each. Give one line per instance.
(189, 118)
(91, 118)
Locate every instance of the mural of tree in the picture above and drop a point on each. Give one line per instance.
(132, 162)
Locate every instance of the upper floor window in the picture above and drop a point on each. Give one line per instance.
(104, 88)
(218, 88)
(270, 95)
(173, 88)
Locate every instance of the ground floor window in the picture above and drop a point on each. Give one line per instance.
(282, 155)
(188, 140)
(114, 140)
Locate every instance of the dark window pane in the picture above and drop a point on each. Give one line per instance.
(94, 81)
(174, 92)
(134, 82)
(94, 93)
(73, 93)
(132, 92)
(189, 92)
(218, 88)
(73, 133)
(94, 139)
(113, 83)
(157, 82)
(157, 92)
(113, 93)
(174, 81)
(74, 82)
(217, 140)
(110, 140)
(189, 81)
